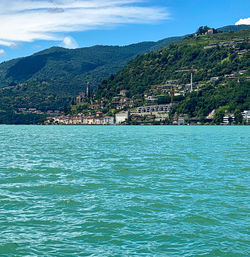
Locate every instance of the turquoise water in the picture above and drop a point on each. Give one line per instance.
(124, 191)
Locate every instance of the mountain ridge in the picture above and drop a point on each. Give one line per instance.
(96, 62)
(89, 64)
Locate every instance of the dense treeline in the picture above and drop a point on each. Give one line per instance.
(90, 64)
(233, 97)
(10, 117)
(35, 94)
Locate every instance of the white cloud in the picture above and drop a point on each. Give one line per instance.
(2, 52)
(27, 20)
(69, 42)
(7, 43)
(243, 22)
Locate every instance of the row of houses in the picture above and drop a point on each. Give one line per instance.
(229, 118)
(154, 108)
(80, 119)
(227, 43)
(159, 111)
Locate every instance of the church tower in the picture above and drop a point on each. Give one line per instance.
(87, 90)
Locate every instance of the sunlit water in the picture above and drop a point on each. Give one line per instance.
(124, 191)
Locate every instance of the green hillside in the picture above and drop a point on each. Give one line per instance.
(215, 55)
(90, 64)
(50, 79)
(234, 28)
(159, 66)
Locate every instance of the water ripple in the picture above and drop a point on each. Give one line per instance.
(124, 191)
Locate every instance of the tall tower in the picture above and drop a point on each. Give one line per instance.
(88, 90)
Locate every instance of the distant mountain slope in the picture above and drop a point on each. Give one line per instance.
(49, 79)
(234, 28)
(86, 64)
(79, 66)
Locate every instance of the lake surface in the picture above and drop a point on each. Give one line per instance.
(124, 191)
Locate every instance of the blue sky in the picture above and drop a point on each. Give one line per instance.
(29, 26)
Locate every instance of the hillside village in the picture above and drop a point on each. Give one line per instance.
(156, 105)
(152, 88)
(149, 110)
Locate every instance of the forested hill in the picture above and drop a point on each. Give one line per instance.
(50, 79)
(222, 71)
(212, 55)
(89, 64)
(76, 67)
(234, 28)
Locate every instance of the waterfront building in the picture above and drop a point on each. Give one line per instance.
(228, 119)
(154, 108)
(121, 117)
(246, 115)
(182, 121)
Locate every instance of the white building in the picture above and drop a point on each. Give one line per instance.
(154, 108)
(228, 119)
(121, 117)
(182, 121)
(246, 115)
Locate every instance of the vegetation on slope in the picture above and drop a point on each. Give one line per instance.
(90, 64)
(219, 60)
(232, 97)
(50, 79)
(157, 67)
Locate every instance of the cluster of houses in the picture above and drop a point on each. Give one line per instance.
(151, 113)
(126, 112)
(140, 115)
(228, 119)
(14, 86)
(36, 111)
(232, 44)
(80, 119)
(234, 75)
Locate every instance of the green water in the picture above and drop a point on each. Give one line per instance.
(124, 191)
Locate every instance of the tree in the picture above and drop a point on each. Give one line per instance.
(218, 117)
(238, 118)
(202, 30)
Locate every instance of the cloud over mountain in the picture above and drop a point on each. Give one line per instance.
(69, 42)
(2, 52)
(29, 20)
(245, 21)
